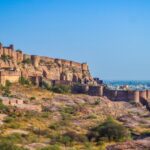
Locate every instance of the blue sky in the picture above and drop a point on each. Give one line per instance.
(112, 36)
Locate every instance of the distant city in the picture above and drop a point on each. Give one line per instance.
(131, 84)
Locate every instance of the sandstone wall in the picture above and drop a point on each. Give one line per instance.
(35, 60)
(124, 95)
(9, 51)
(95, 90)
(11, 76)
(49, 68)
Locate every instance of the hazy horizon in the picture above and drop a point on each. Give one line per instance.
(112, 36)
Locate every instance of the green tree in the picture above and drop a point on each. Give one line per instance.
(5, 58)
(24, 81)
(110, 130)
(61, 89)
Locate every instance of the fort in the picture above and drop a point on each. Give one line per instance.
(53, 71)
(14, 64)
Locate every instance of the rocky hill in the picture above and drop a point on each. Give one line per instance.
(64, 120)
(38, 118)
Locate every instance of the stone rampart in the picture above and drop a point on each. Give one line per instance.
(75, 64)
(127, 95)
(35, 60)
(95, 90)
(12, 76)
(9, 51)
(65, 62)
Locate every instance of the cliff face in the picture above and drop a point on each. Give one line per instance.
(48, 68)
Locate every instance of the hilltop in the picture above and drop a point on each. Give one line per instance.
(55, 104)
(14, 63)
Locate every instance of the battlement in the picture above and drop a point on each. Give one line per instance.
(9, 51)
(50, 68)
(127, 95)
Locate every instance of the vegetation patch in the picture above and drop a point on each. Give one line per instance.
(110, 130)
(24, 81)
(63, 89)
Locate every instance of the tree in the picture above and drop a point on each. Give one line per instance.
(24, 81)
(110, 130)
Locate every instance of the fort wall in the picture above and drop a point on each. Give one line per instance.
(95, 90)
(127, 95)
(75, 64)
(65, 62)
(84, 66)
(9, 51)
(25, 57)
(35, 60)
(11, 76)
(148, 94)
(49, 68)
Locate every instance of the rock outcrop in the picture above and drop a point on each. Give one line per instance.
(143, 144)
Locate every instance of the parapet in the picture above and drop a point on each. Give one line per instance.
(8, 51)
(47, 59)
(65, 62)
(75, 64)
(84, 66)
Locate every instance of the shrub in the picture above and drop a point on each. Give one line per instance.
(6, 91)
(75, 137)
(9, 146)
(69, 110)
(9, 119)
(32, 98)
(61, 89)
(13, 138)
(52, 147)
(24, 81)
(27, 61)
(8, 83)
(19, 50)
(110, 130)
(97, 102)
(40, 132)
(46, 85)
(5, 58)
(66, 140)
(3, 108)
(54, 126)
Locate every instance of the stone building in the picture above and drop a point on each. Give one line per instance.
(14, 64)
(12, 76)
